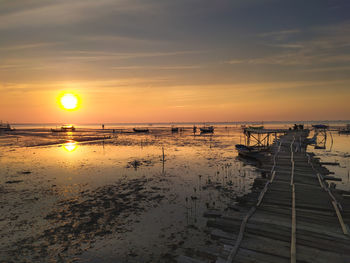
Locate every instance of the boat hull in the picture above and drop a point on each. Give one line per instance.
(207, 129)
(140, 130)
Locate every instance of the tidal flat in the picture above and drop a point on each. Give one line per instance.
(114, 196)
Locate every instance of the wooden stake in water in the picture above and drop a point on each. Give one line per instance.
(163, 160)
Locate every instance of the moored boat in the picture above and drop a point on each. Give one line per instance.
(207, 129)
(65, 128)
(174, 129)
(345, 130)
(249, 151)
(141, 130)
(320, 126)
(256, 127)
(5, 127)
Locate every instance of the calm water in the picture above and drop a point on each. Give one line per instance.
(130, 197)
(335, 147)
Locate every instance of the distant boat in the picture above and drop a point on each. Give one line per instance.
(141, 130)
(248, 151)
(5, 127)
(256, 127)
(207, 129)
(345, 130)
(65, 128)
(174, 129)
(320, 126)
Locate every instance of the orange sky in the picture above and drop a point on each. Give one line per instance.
(248, 102)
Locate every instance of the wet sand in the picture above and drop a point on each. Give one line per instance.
(94, 195)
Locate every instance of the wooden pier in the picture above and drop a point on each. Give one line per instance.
(291, 215)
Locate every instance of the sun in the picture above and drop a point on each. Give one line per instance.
(69, 101)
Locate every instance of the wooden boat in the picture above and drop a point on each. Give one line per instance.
(65, 128)
(5, 127)
(345, 130)
(207, 129)
(256, 127)
(141, 130)
(320, 126)
(248, 151)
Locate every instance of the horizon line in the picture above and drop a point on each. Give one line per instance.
(176, 122)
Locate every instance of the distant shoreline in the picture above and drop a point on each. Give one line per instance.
(184, 123)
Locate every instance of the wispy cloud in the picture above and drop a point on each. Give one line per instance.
(279, 35)
(103, 55)
(92, 85)
(325, 45)
(287, 46)
(66, 12)
(30, 46)
(160, 67)
(328, 69)
(294, 59)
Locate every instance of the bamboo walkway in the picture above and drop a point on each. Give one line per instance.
(290, 216)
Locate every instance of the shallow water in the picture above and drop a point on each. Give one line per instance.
(335, 147)
(115, 199)
(95, 195)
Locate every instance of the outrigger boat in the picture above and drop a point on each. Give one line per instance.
(249, 151)
(320, 126)
(345, 130)
(256, 127)
(207, 129)
(174, 129)
(141, 130)
(5, 127)
(65, 128)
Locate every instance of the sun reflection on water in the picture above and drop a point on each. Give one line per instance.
(70, 146)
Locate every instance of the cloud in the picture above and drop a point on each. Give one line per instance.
(287, 46)
(104, 55)
(43, 14)
(318, 45)
(328, 69)
(160, 67)
(280, 35)
(30, 46)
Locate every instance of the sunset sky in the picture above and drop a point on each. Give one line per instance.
(175, 60)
